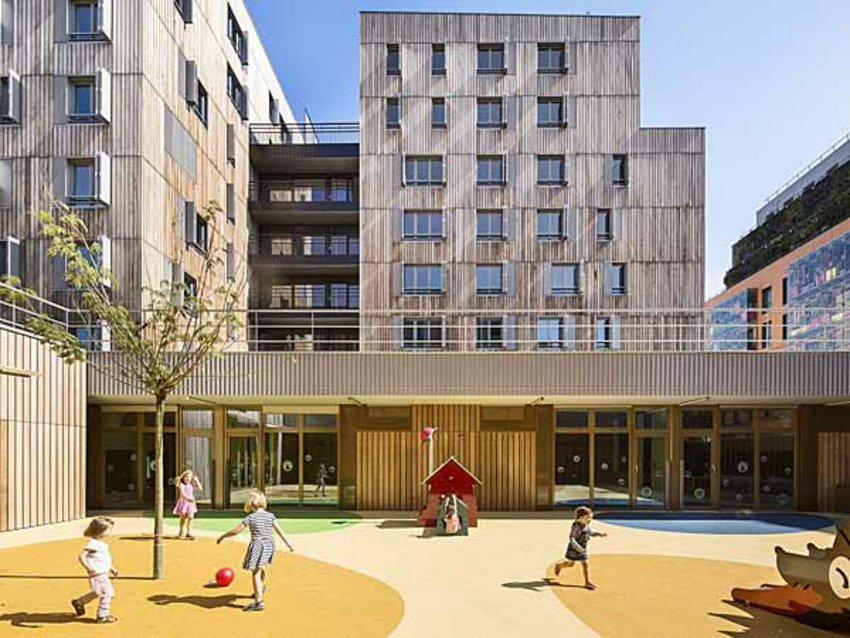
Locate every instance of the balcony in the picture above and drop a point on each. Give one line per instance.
(310, 253)
(331, 201)
(333, 296)
(305, 149)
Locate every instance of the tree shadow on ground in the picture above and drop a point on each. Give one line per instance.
(538, 585)
(37, 620)
(760, 623)
(204, 602)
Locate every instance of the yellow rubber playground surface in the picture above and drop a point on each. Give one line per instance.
(383, 577)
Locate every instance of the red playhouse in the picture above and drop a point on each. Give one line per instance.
(450, 478)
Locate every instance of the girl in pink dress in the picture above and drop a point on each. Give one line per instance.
(186, 508)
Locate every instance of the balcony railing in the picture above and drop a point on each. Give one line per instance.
(340, 296)
(305, 248)
(336, 191)
(306, 133)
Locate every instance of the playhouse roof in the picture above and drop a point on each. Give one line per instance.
(449, 461)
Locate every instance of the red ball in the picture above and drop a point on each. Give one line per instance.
(224, 576)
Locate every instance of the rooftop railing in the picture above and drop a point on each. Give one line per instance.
(305, 133)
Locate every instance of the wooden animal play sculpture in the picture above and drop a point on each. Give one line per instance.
(817, 592)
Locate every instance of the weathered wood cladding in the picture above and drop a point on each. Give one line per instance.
(143, 57)
(658, 217)
(42, 435)
(391, 465)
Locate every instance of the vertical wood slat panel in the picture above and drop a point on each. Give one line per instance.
(833, 468)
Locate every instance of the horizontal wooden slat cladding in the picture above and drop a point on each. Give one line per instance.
(42, 435)
(746, 375)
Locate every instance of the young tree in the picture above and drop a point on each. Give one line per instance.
(158, 346)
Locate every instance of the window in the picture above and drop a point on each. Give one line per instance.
(550, 170)
(236, 93)
(438, 59)
(550, 58)
(420, 333)
(491, 170)
(489, 279)
(618, 279)
(766, 330)
(604, 333)
(490, 333)
(10, 259)
(423, 279)
(423, 224)
(785, 291)
(553, 333)
(393, 113)
(81, 180)
(490, 113)
(190, 293)
(619, 170)
(423, 171)
(184, 7)
(565, 279)
(237, 36)
(438, 112)
(10, 98)
(274, 110)
(202, 104)
(81, 98)
(202, 234)
(82, 20)
(393, 60)
(489, 224)
(491, 58)
(604, 225)
(767, 298)
(550, 224)
(784, 327)
(550, 112)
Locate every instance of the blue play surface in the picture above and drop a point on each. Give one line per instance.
(717, 522)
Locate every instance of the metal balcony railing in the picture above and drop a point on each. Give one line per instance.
(335, 191)
(340, 296)
(305, 133)
(305, 247)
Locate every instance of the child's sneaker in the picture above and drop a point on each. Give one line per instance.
(79, 608)
(254, 607)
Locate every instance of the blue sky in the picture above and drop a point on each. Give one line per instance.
(767, 78)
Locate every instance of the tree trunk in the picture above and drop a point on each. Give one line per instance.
(159, 494)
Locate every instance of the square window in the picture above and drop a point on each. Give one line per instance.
(491, 170)
(550, 224)
(393, 60)
(83, 17)
(438, 59)
(618, 279)
(619, 170)
(81, 180)
(551, 333)
(565, 279)
(489, 113)
(550, 58)
(393, 113)
(491, 58)
(550, 170)
(423, 279)
(489, 225)
(420, 333)
(423, 224)
(438, 112)
(550, 112)
(604, 224)
(423, 171)
(81, 97)
(490, 333)
(489, 279)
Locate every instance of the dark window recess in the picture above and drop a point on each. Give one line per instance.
(438, 59)
(190, 292)
(393, 60)
(184, 7)
(604, 333)
(10, 99)
(202, 105)
(767, 298)
(619, 170)
(491, 58)
(422, 333)
(784, 327)
(438, 112)
(491, 170)
(785, 291)
(202, 234)
(604, 224)
(490, 333)
(393, 113)
(550, 58)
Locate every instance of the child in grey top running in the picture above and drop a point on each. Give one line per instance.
(580, 535)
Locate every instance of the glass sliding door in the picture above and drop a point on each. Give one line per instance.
(776, 470)
(737, 470)
(611, 477)
(651, 487)
(243, 465)
(198, 457)
(120, 459)
(282, 468)
(697, 471)
(572, 470)
(320, 475)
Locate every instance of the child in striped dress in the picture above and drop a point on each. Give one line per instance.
(262, 524)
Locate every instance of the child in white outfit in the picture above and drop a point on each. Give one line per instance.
(97, 561)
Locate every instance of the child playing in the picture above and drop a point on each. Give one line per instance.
(186, 508)
(321, 480)
(97, 561)
(261, 524)
(580, 534)
(451, 519)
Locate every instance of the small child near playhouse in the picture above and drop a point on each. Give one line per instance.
(580, 535)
